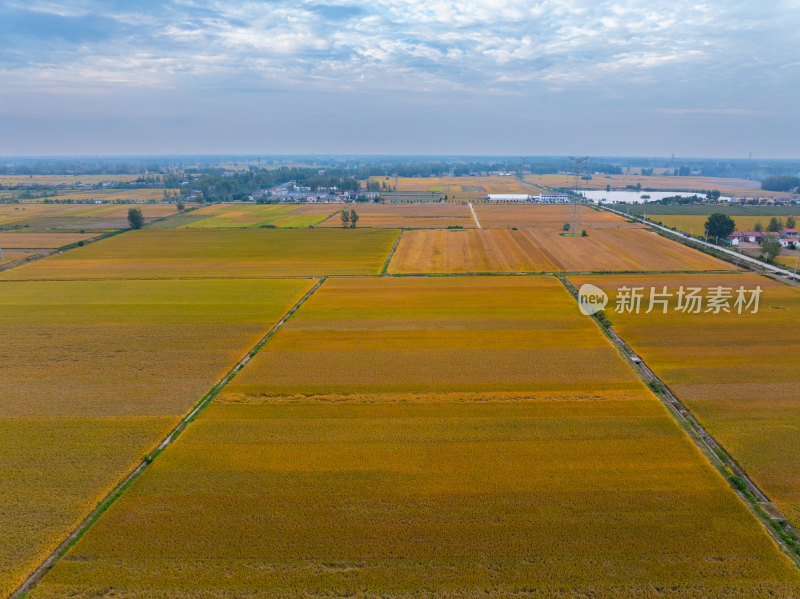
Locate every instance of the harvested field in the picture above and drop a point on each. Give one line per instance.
(66, 180)
(115, 195)
(469, 493)
(93, 375)
(462, 189)
(543, 215)
(40, 240)
(416, 336)
(260, 215)
(735, 187)
(219, 253)
(421, 216)
(737, 372)
(12, 255)
(544, 250)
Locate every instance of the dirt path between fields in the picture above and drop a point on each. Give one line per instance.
(475, 216)
(758, 503)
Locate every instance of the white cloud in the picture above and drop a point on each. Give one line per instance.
(478, 46)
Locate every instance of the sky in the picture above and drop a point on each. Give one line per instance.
(719, 78)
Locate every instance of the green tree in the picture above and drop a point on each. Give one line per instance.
(780, 183)
(720, 225)
(179, 205)
(790, 222)
(353, 219)
(565, 228)
(135, 218)
(345, 218)
(770, 247)
(758, 227)
(775, 225)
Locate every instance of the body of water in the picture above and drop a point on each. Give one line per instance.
(609, 197)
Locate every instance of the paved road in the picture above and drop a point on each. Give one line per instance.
(774, 269)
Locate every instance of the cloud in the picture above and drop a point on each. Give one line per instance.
(459, 44)
(607, 58)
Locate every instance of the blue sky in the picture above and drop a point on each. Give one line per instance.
(715, 78)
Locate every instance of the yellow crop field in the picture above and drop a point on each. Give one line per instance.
(790, 261)
(219, 253)
(738, 372)
(333, 479)
(417, 336)
(258, 215)
(544, 250)
(695, 223)
(423, 216)
(39, 217)
(734, 187)
(40, 240)
(544, 215)
(93, 375)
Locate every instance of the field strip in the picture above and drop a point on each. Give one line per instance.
(532, 273)
(705, 244)
(475, 216)
(126, 482)
(776, 523)
(391, 253)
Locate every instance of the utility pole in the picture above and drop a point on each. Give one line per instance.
(579, 168)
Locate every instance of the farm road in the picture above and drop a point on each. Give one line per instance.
(475, 216)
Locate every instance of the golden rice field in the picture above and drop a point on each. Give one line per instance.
(325, 485)
(544, 250)
(42, 217)
(790, 260)
(417, 336)
(545, 215)
(695, 223)
(259, 215)
(420, 216)
(219, 253)
(735, 187)
(93, 375)
(738, 373)
(40, 240)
